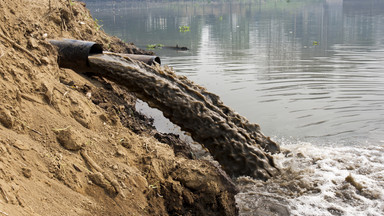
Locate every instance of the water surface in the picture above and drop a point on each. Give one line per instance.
(312, 70)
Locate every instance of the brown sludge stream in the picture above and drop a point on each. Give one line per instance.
(236, 144)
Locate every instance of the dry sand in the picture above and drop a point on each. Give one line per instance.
(72, 144)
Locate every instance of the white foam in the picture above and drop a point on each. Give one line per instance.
(314, 181)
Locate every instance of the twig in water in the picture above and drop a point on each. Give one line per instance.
(20, 47)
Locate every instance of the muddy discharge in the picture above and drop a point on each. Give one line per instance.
(234, 142)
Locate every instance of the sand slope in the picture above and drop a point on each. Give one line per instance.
(74, 145)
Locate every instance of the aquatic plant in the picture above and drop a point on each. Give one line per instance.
(154, 46)
(184, 28)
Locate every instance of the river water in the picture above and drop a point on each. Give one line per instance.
(310, 72)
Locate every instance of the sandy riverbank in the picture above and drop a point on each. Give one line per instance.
(75, 145)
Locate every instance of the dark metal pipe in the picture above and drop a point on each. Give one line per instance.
(74, 54)
(148, 59)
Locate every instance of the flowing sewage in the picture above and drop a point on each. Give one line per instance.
(238, 145)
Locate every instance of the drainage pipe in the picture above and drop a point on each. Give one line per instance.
(74, 54)
(148, 59)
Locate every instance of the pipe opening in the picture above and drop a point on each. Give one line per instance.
(74, 54)
(157, 59)
(95, 49)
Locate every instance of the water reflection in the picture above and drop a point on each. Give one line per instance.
(309, 69)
